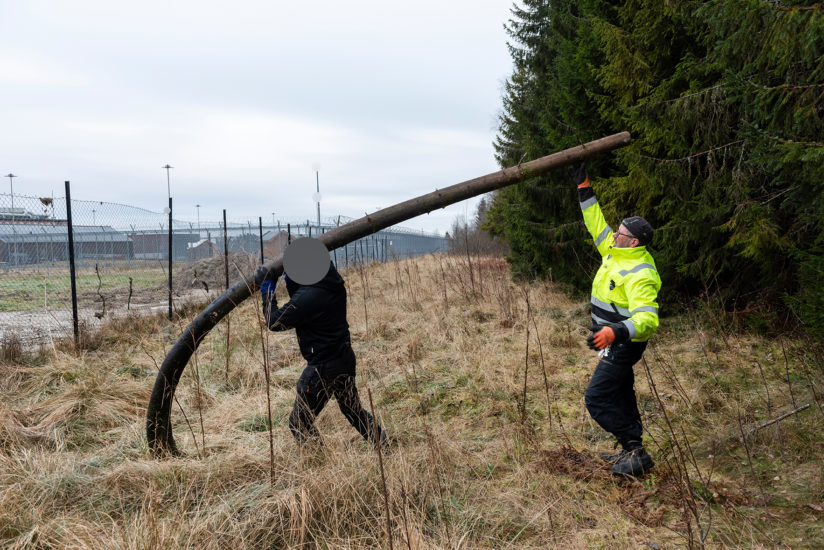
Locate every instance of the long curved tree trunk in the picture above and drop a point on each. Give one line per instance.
(158, 420)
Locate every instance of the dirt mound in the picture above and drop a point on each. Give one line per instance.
(209, 273)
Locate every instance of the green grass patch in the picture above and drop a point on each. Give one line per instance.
(31, 292)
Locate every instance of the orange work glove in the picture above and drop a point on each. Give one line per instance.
(601, 339)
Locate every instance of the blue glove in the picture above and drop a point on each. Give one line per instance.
(269, 281)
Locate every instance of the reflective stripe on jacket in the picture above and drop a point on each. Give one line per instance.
(625, 288)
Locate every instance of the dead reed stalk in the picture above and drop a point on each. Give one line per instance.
(378, 449)
(755, 476)
(689, 502)
(264, 343)
(199, 394)
(227, 351)
(526, 355)
(365, 291)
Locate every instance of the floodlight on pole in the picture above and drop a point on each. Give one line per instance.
(198, 220)
(168, 185)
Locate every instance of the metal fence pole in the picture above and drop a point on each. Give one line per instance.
(288, 234)
(260, 224)
(69, 228)
(170, 258)
(225, 250)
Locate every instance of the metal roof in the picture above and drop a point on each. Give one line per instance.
(50, 233)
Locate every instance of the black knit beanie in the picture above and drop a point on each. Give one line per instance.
(640, 228)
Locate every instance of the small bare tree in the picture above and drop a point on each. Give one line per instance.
(470, 238)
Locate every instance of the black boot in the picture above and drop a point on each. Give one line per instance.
(615, 457)
(634, 463)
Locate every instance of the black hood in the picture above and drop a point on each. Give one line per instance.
(331, 281)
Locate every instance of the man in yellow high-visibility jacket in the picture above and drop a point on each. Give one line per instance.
(624, 311)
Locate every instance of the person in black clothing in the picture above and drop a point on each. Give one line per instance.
(317, 312)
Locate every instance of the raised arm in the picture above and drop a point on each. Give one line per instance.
(597, 226)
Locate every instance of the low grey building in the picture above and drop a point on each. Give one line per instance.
(31, 243)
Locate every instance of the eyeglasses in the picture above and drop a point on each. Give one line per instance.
(626, 235)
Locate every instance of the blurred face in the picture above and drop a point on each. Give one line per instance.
(623, 238)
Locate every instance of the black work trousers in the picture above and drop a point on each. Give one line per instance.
(610, 395)
(317, 384)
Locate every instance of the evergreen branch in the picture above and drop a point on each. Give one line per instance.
(779, 193)
(814, 7)
(792, 141)
(792, 87)
(676, 99)
(552, 229)
(689, 158)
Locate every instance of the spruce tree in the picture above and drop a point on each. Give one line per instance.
(725, 101)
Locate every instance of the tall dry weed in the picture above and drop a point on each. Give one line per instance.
(481, 396)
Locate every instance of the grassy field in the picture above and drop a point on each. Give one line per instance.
(31, 288)
(479, 383)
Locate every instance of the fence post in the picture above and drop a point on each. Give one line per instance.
(225, 250)
(70, 229)
(260, 224)
(170, 258)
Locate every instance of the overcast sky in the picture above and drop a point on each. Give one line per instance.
(389, 99)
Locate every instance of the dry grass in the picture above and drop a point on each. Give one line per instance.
(473, 464)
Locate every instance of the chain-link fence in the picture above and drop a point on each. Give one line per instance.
(121, 257)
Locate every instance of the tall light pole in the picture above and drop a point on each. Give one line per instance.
(11, 185)
(198, 220)
(316, 196)
(168, 185)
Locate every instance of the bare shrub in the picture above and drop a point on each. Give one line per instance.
(11, 348)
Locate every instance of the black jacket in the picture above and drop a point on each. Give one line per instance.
(317, 313)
